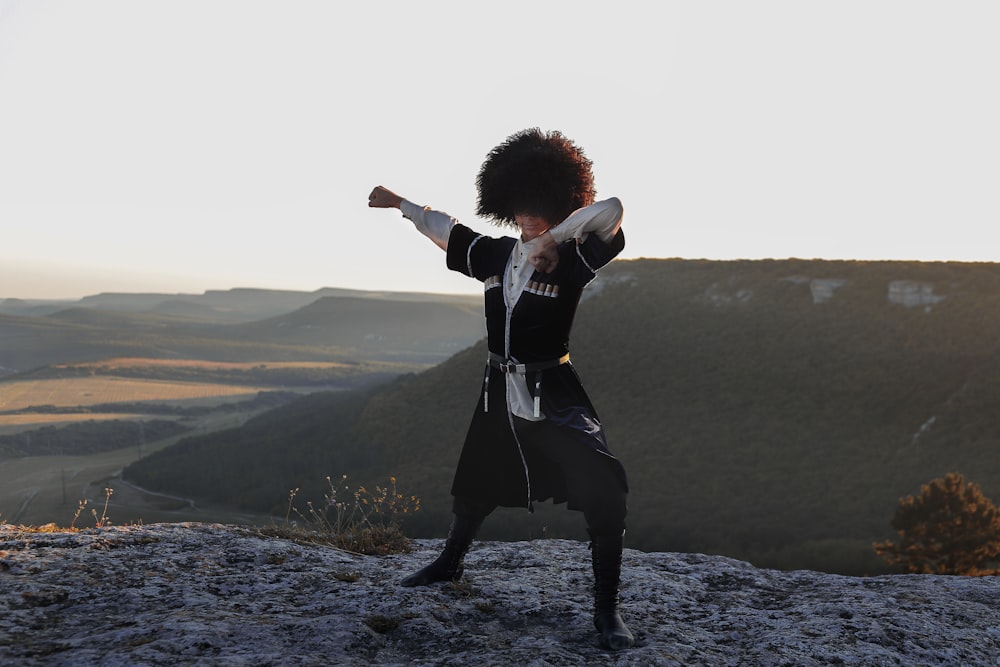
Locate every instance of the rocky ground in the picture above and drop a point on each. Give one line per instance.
(205, 594)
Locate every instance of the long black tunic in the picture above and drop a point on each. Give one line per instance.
(497, 464)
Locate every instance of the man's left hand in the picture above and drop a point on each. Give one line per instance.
(543, 253)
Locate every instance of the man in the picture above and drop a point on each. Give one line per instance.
(535, 434)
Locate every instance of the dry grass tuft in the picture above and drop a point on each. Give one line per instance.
(362, 521)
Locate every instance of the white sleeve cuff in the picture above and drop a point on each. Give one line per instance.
(435, 225)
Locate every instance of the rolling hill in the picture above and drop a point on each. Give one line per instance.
(245, 325)
(769, 410)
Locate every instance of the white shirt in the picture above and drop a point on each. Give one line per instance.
(602, 218)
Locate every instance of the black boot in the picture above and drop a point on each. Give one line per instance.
(606, 552)
(450, 564)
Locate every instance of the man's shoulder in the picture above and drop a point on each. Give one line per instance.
(485, 241)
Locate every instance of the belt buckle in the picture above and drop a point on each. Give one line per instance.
(508, 367)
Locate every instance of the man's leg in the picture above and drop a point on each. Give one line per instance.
(605, 513)
(594, 486)
(449, 566)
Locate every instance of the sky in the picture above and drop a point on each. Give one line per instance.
(187, 145)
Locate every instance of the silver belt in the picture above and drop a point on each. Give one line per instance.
(508, 366)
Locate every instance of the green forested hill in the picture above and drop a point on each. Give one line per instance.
(769, 410)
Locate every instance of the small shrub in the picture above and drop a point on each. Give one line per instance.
(950, 528)
(363, 521)
(99, 521)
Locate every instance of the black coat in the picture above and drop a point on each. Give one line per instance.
(497, 465)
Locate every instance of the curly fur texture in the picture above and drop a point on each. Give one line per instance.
(534, 172)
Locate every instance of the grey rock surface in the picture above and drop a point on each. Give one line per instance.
(204, 594)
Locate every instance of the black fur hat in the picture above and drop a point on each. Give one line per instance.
(541, 173)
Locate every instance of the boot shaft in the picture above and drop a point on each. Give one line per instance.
(606, 553)
(606, 556)
(460, 536)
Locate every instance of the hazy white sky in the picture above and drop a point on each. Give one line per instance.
(184, 145)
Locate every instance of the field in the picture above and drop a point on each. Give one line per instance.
(53, 394)
(48, 489)
(120, 363)
(103, 389)
(44, 489)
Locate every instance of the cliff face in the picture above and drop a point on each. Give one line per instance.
(201, 594)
